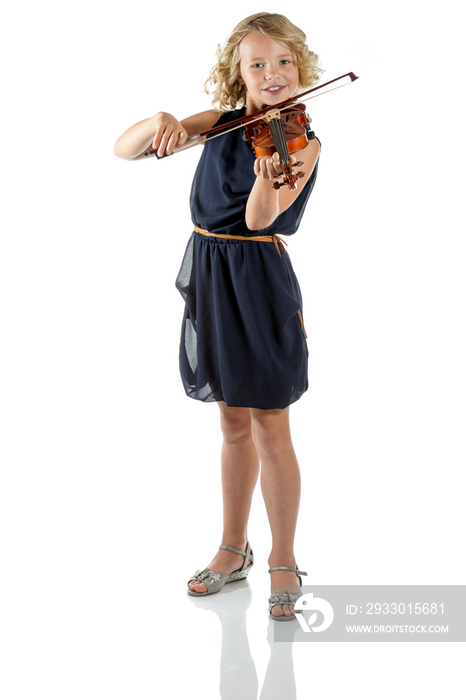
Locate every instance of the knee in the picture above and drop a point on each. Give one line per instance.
(271, 442)
(235, 425)
(268, 445)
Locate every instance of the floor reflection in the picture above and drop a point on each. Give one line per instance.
(238, 675)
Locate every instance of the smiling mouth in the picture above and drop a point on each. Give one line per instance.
(274, 89)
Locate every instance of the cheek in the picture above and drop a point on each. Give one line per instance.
(241, 70)
(247, 82)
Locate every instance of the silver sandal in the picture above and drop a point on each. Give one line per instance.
(285, 598)
(215, 580)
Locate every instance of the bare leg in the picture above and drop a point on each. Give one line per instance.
(281, 488)
(240, 469)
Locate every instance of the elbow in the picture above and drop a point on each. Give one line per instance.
(252, 224)
(119, 151)
(255, 226)
(261, 213)
(258, 223)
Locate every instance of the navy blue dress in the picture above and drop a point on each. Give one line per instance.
(242, 341)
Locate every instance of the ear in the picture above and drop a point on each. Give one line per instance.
(240, 80)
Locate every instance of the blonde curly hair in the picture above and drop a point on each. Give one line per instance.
(228, 93)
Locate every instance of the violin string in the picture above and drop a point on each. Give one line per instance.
(279, 138)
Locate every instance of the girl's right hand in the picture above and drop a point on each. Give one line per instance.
(169, 133)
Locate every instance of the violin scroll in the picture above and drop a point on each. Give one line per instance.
(290, 178)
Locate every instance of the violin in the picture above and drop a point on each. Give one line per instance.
(285, 132)
(269, 131)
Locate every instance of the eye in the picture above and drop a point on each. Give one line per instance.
(257, 65)
(285, 61)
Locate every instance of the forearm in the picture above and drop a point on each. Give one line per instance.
(135, 140)
(162, 132)
(266, 203)
(262, 207)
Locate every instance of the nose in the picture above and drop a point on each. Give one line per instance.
(272, 72)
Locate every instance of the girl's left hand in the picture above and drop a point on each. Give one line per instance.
(269, 167)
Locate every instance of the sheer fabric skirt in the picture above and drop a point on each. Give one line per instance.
(242, 339)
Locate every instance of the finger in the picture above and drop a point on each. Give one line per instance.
(157, 137)
(182, 137)
(177, 138)
(277, 165)
(163, 143)
(156, 143)
(269, 169)
(258, 167)
(274, 167)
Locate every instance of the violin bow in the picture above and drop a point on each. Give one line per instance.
(216, 131)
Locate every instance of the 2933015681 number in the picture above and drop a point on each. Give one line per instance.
(405, 608)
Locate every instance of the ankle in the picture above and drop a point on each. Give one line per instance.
(283, 559)
(237, 541)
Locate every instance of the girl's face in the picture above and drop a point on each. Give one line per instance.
(268, 71)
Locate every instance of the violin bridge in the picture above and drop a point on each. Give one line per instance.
(272, 114)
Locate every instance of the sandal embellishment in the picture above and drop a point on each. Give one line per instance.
(285, 597)
(214, 580)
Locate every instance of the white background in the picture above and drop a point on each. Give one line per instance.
(110, 477)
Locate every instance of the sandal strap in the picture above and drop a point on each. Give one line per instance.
(232, 549)
(288, 568)
(248, 555)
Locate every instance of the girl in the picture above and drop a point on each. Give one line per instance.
(243, 343)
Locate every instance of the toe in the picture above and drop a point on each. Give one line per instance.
(286, 610)
(197, 586)
(281, 611)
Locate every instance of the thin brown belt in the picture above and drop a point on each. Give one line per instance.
(272, 238)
